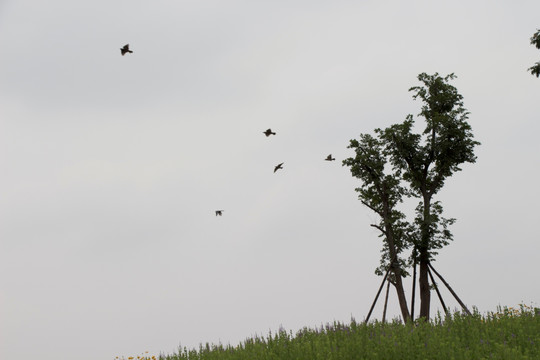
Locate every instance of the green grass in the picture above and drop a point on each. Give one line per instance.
(507, 334)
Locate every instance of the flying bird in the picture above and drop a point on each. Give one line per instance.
(278, 167)
(219, 212)
(125, 50)
(269, 132)
(330, 158)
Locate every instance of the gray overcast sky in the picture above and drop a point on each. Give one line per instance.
(112, 167)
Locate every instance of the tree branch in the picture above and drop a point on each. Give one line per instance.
(372, 208)
(380, 228)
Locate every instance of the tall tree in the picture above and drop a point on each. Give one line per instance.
(381, 193)
(426, 160)
(535, 40)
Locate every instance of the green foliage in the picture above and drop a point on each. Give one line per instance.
(436, 227)
(369, 166)
(535, 69)
(423, 160)
(508, 334)
(535, 40)
(381, 192)
(427, 159)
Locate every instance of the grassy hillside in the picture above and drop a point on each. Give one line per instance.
(507, 334)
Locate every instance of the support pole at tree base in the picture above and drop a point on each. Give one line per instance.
(386, 301)
(449, 288)
(413, 290)
(377, 296)
(380, 288)
(437, 290)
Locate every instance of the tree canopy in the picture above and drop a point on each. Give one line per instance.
(397, 162)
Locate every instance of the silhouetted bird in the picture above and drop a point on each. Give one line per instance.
(125, 50)
(278, 167)
(219, 212)
(268, 132)
(330, 158)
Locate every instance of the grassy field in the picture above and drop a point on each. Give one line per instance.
(506, 334)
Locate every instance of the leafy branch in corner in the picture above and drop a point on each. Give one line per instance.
(535, 40)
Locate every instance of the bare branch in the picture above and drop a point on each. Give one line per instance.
(372, 208)
(380, 228)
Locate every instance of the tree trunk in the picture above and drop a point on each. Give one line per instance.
(393, 259)
(401, 297)
(423, 282)
(425, 294)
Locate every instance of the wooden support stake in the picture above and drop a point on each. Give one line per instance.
(386, 301)
(378, 293)
(452, 291)
(437, 290)
(413, 290)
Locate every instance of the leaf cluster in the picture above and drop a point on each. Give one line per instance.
(535, 40)
(535, 69)
(437, 228)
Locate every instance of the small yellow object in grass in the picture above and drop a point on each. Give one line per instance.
(143, 356)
